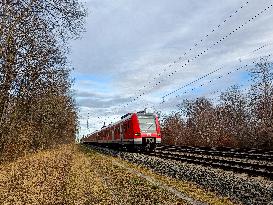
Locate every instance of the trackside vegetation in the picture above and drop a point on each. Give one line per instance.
(37, 110)
(238, 119)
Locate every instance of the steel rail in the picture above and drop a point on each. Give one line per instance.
(253, 154)
(236, 165)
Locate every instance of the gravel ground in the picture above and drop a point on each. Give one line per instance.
(238, 187)
(236, 159)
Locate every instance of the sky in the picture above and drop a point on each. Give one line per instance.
(134, 52)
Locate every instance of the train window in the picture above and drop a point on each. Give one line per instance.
(147, 123)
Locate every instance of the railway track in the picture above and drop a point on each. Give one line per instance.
(254, 154)
(252, 162)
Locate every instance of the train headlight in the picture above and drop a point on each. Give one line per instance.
(137, 134)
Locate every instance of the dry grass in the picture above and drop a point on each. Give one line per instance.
(188, 188)
(75, 175)
(124, 187)
(36, 179)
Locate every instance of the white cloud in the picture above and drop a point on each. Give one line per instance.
(128, 43)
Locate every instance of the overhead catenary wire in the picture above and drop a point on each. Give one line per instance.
(206, 75)
(222, 75)
(219, 41)
(205, 83)
(206, 50)
(213, 30)
(219, 77)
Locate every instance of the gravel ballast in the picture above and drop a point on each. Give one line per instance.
(238, 187)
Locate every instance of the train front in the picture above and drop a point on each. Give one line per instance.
(147, 130)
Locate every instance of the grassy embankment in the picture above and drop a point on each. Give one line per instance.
(72, 174)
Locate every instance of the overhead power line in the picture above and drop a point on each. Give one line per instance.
(217, 78)
(213, 30)
(188, 61)
(219, 41)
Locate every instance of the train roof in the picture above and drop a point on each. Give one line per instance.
(123, 118)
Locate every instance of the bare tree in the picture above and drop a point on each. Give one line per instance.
(200, 114)
(233, 117)
(173, 129)
(238, 120)
(261, 103)
(34, 39)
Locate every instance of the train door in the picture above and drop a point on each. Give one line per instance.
(121, 134)
(113, 134)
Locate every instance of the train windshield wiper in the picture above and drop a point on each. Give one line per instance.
(149, 126)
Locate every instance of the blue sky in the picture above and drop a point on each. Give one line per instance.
(129, 44)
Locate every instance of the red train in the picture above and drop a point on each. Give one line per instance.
(134, 130)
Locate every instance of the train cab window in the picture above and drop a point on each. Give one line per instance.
(147, 123)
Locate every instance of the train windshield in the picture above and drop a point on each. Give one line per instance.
(147, 123)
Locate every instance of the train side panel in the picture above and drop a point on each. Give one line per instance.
(136, 130)
(158, 137)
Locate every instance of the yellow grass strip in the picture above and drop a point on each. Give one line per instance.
(189, 189)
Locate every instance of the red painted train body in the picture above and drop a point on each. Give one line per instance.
(139, 129)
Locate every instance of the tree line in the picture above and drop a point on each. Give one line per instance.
(37, 109)
(238, 119)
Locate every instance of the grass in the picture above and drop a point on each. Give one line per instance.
(72, 174)
(188, 188)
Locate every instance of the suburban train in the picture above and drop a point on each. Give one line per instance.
(137, 131)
